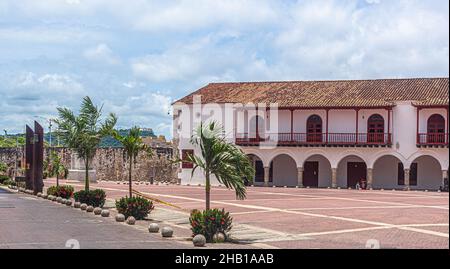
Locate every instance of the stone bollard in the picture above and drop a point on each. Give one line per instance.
(83, 207)
(59, 199)
(76, 205)
(153, 228)
(89, 209)
(105, 213)
(97, 211)
(199, 240)
(120, 218)
(44, 196)
(68, 202)
(167, 232)
(131, 220)
(39, 194)
(63, 201)
(54, 198)
(218, 238)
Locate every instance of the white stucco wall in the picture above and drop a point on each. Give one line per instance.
(403, 129)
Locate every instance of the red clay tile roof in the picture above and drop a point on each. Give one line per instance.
(343, 93)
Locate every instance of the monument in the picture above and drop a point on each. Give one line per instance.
(77, 170)
(34, 158)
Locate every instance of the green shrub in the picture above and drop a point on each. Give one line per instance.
(64, 191)
(95, 198)
(4, 178)
(137, 207)
(210, 222)
(3, 167)
(9, 182)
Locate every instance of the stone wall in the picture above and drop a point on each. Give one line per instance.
(110, 163)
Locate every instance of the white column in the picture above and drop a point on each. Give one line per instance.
(300, 177)
(266, 176)
(369, 178)
(407, 172)
(334, 177)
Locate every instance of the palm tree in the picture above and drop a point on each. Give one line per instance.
(132, 145)
(224, 160)
(57, 167)
(84, 132)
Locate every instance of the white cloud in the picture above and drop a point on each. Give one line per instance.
(101, 53)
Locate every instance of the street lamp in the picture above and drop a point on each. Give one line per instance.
(49, 128)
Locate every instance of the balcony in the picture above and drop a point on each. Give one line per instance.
(316, 139)
(432, 139)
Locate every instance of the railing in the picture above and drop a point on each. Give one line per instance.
(315, 138)
(432, 139)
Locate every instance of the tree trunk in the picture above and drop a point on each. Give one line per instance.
(57, 180)
(86, 186)
(208, 192)
(129, 176)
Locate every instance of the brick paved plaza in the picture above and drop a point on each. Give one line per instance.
(309, 218)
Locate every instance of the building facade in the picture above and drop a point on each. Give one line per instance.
(387, 133)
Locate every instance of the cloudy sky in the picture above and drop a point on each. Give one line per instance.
(138, 56)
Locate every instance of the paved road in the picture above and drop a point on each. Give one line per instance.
(30, 222)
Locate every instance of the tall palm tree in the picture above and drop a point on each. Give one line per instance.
(84, 132)
(229, 164)
(132, 145)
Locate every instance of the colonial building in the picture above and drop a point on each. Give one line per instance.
(384, 133)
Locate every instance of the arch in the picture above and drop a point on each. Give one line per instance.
(375, 128)
(436, 129)
(314, 128)
(425, 172)
(351, 169)
(349, 153)
(258, 165)
(317, 171)
(283, 171)
(279, 152)
(442, 159)
(388, 172)
(372, 161)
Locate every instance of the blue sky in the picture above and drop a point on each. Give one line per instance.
(138, 56)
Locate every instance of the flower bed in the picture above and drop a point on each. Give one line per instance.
(95, 198)
(210, 222)
(137, 207)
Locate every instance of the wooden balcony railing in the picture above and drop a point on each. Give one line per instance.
(315, 138)
(432, 139)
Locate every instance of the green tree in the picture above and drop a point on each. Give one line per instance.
(56, 167)
(132, 145)
(84, 132)
(229, 164)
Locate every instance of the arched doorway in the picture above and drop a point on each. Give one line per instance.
(375, 129)
(314, 129)
(258, 180)
(283, 171)
(351, 170)
(316, 172)
(425, 173)
(436, 129)
(388, 172)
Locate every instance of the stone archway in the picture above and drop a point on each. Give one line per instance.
(425, 173)
(317, 171)
(258, 164)
(350, 170)
(388, 172)
(283, 171)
